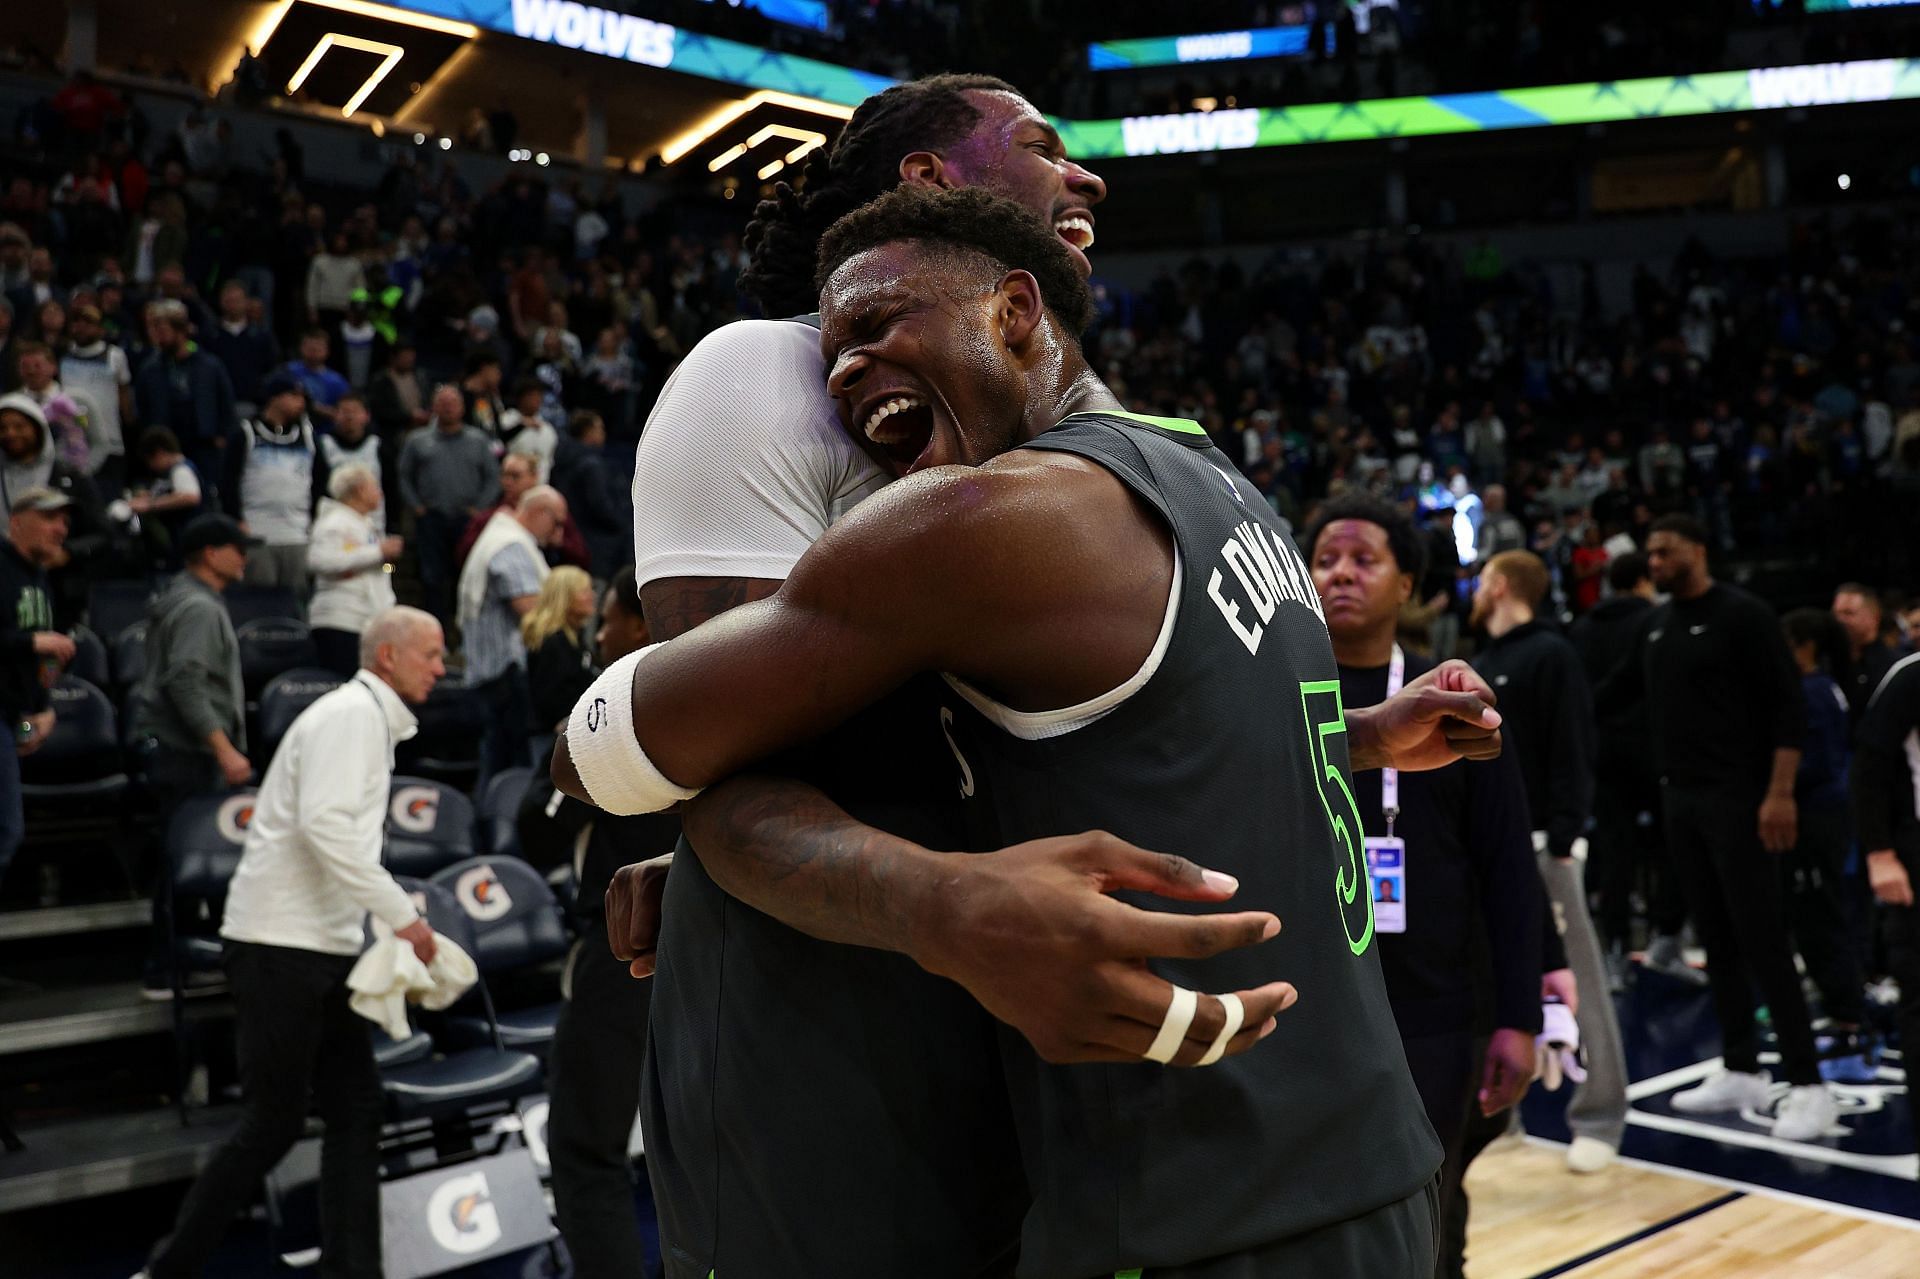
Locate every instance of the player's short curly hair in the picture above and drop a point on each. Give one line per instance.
(967, 220)
(1402, 538)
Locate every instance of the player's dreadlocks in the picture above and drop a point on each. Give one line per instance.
(968, 219)
(921, 115)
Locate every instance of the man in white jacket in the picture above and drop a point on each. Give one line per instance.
(296, 911)
(352, 565)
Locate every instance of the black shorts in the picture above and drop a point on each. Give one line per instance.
(1399, 1241)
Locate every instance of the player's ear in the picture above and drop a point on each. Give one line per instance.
(925, 169)
(1019, 307)
(1406, 587)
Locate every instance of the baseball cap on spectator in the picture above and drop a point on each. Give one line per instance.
(42, 499)
(87, 311)
(280, 384)
(483, 319)
(215, 530)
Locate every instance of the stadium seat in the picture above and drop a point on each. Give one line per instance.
(204, 842)
(255, 603)
(113, 606)
(446, 1087)
(271, 646)
(281, 702)
(429, 825)
(447, 746)
(500, 811)
(90, 659)
(517, 927)
(129, 657)
(74, 786)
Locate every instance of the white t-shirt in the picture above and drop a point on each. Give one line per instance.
(744, 463)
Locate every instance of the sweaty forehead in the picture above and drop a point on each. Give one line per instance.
(1001, 112)
(1352, 535)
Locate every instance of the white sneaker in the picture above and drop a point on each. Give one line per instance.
(1806, 1115)
(1727, 1091)
(1589, 1154)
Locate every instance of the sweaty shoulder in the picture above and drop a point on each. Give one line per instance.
(743, 463)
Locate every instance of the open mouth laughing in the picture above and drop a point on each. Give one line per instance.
(901, 426)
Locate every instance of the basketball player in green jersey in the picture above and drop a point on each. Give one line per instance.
(1132, 643)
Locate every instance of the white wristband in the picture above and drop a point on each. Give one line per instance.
(617, 774)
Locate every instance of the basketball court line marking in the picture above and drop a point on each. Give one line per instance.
(1899, 1167)
(1645, 1232)
(1752, 1188)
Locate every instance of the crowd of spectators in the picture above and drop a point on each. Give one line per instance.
(1774, 399)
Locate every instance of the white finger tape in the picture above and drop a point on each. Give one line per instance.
(1236, 1018)
(619, 777)
(1173, 1031)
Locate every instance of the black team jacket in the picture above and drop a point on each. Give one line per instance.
(1547, 710)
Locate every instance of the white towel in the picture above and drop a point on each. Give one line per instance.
(389, 976)
(497, 533)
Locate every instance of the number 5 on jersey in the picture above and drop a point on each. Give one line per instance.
(1326, 719)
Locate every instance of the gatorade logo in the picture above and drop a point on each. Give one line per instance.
(461, 1215)
(415, 809)
(481, 894)
(233, 819)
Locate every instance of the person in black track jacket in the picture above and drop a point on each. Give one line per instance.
(1545, 700)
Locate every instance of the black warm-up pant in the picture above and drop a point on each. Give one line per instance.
(1624, 851)
(594, 1083)
(1817, 905)
(300, 1044)
(1737, 892)
(1444, 1069)
(1903, 960)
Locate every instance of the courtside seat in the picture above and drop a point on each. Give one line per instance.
(271, 646)
(489, 1073)
(253, 603)
(129, 657)
(282, 701)
(429, 825)
(389, 1052)
(113, 606)
(90, 659)
(73, 789)
(500, 812)
(518, 926)
(447, 746)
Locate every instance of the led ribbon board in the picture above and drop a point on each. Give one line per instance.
(570, 25)
(1658, 97)
(1841, 6)
(811, 14)
(1219, 46)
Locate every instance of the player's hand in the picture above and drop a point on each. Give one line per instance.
(1779, 823)
(1031, 932)
(1444, 715)
(53, 644)
(419, 935)
(633, 912)
(1509, 1069)
(390, 548)
(1888, 876)
(1559, 984)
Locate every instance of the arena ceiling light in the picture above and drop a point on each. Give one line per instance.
(392, 53)
(363, 9)
(808, 139)
(679, 147)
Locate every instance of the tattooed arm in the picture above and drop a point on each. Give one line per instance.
(675, 605)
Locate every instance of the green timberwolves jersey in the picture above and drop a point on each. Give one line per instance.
(1228, 747)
